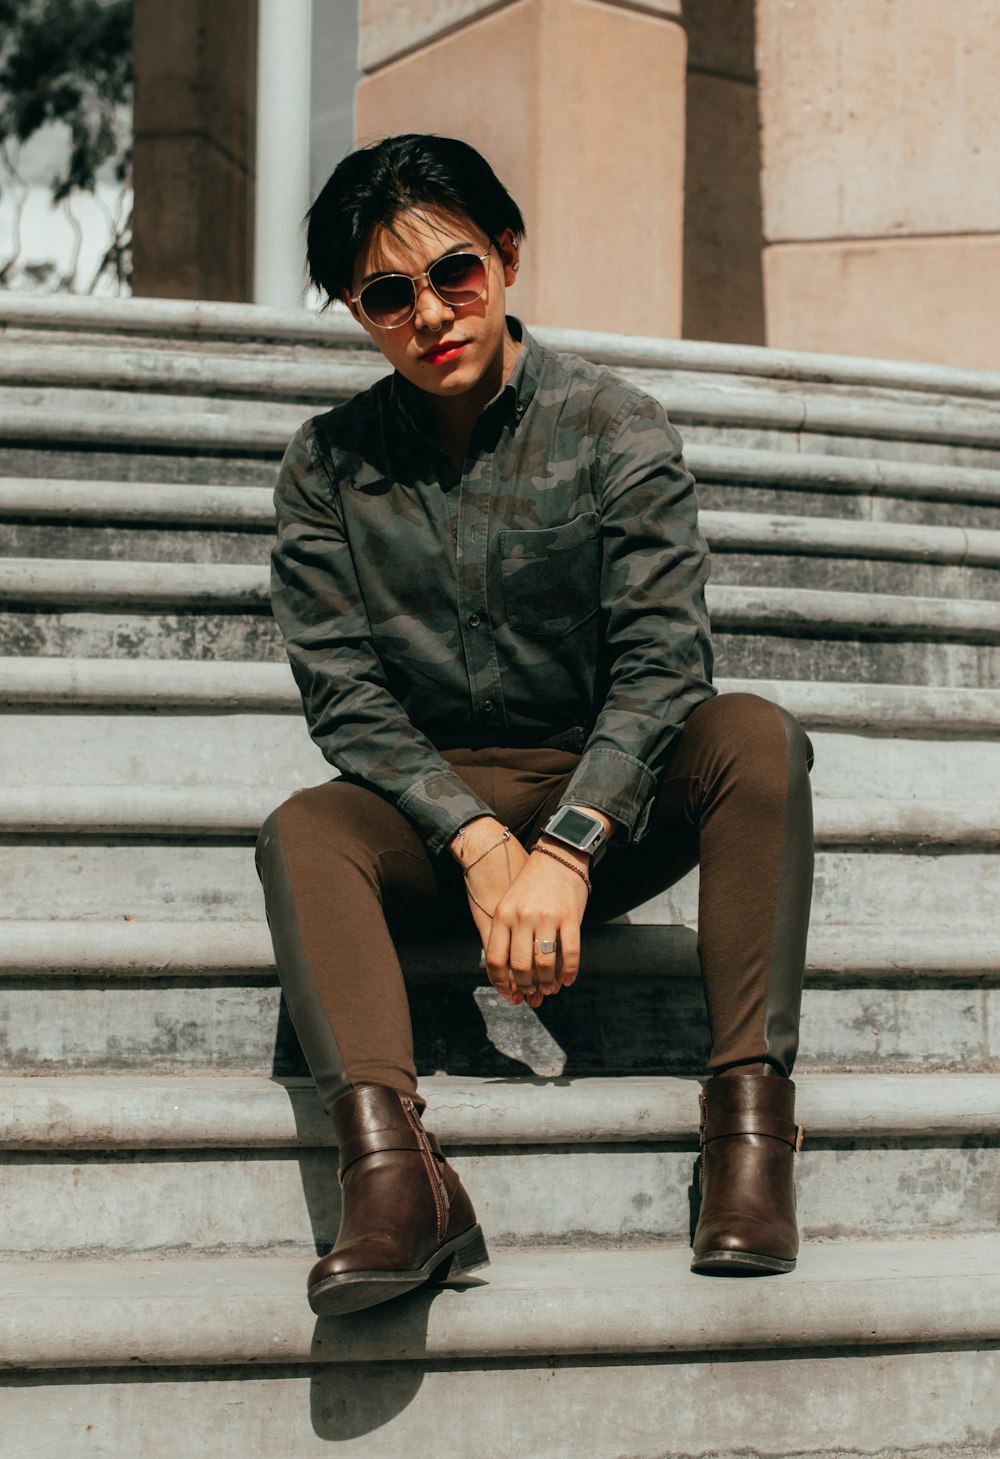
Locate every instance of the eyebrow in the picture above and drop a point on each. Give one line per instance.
(384, 273)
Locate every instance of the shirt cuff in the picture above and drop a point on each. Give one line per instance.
(617, 784)
(439, 806)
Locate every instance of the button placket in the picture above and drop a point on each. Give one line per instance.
(477, 637)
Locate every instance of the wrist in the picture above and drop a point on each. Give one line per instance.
(581, 830)
(575, 863)
(474, 837)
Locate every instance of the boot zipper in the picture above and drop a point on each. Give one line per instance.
(702, 1130)
(438, 1188)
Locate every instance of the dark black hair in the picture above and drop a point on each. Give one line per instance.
(373, 185)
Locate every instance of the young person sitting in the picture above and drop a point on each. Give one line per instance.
(490, 580)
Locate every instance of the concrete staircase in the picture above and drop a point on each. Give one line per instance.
(167, 1174)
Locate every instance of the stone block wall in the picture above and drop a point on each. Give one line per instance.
(880, 126)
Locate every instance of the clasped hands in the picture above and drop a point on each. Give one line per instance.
(519, 904)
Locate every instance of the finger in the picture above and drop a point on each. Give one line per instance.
(522, 959)
(498, 962)
(569, 955)
(546, 975)
(504, 985)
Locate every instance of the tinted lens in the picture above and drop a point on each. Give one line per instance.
(388, 300)
(459, 278)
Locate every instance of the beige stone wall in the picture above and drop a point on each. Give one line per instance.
(579, 105)
(881, 188)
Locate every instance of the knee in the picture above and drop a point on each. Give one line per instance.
(753, 732)
(268, 843)
(300, 807)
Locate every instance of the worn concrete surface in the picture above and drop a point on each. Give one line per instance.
(531, 1304)
(101, 881)
(120, 749)
(619, 1026)
(91, 1204)
(146, 1112)
(707, 1409)
(125, 634)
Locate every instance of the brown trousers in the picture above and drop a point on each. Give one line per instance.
(342, 870)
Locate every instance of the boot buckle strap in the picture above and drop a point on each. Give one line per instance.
(370, 1142)
(740, 1123)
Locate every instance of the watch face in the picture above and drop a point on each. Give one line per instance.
(575, 826)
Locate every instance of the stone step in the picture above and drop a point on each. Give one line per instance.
(736, 470)
(121, 748)
(49, 371)
(207, 812)
(225, 688)
(187, 879)
(150, 1166)
(202, 996)
(243, 587)
(836, 953)
(186, 524)
(212, 325)
(748, 477)
(182, 610)
(566, 1355)
(754, 654)
(250, 511)
(58, 1115)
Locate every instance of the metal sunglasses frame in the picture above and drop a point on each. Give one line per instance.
(414, 279)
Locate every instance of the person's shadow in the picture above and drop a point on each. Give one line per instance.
(637, 1008)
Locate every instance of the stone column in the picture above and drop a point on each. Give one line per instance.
(723, 227)
(193, 155)
(579, 105)
(282, 181)
(881, 131)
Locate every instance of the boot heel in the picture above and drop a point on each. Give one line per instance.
(471, 1254)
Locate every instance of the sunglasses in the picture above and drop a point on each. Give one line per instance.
(391, 301)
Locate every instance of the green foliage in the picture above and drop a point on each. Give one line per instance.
(68, 61)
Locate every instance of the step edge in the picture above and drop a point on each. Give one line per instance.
(237, 1311)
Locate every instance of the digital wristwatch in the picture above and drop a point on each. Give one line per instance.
(577, 829)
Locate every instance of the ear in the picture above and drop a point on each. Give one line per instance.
(509, 251)
(346, 297)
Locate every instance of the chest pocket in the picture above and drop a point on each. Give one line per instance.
(551, 576)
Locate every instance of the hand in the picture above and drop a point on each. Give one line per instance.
(487, 882)
(545, 902)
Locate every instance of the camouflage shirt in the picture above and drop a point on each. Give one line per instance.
(555, 581)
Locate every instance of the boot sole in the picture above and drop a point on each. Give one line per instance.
(353, 1291)
(740, 1264)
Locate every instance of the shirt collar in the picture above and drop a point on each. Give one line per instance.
(512, 400)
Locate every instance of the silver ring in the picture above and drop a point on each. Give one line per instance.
(545, 947)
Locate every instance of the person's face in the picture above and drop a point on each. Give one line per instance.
(448, 351)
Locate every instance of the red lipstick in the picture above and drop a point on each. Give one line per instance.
(444, 353)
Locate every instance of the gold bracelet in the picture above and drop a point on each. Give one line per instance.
(563, 862)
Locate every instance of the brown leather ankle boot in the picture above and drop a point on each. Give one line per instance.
(405, 1216)
(749, 1138)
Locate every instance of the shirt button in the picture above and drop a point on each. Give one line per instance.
(474, 620)
(489, 706)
